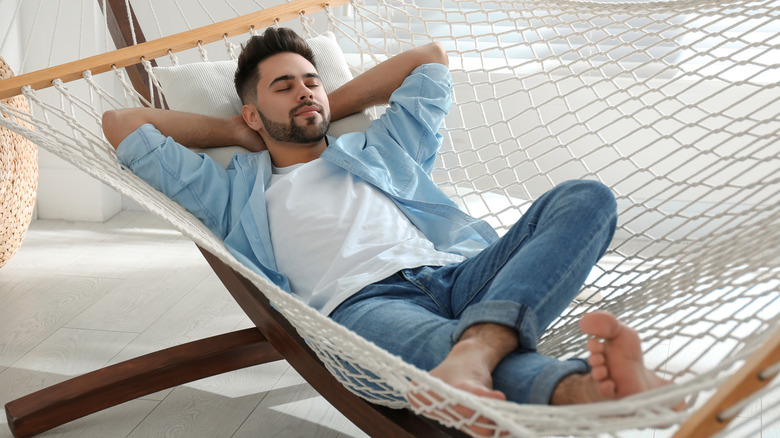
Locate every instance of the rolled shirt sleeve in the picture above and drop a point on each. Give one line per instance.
(417, 109)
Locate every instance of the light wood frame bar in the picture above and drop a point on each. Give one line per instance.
(707, 420)
(149, 50)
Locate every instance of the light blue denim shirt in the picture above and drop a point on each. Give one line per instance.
(396, 154)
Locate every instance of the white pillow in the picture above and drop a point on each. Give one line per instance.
(207, 88)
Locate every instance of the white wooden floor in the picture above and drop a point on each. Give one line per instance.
(80, 296)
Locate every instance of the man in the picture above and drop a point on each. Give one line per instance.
(356, 228)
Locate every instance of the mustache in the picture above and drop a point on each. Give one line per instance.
(308, 102)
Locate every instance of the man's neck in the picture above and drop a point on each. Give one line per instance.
(287, 154)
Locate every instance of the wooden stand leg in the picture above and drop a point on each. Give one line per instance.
(373, 419)
(110, 386)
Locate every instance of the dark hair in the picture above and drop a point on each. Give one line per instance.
(261, 47)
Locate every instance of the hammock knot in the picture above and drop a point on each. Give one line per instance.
(174, 59)
(230, 47)
(202, 51)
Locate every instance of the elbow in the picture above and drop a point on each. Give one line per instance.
(438, 54)
(118, 124)
(110, 125)
(109, 118)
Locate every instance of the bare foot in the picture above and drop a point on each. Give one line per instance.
(468, 367)
(616, 360)
(461, 370)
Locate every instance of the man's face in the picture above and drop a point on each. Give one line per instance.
(291, 101)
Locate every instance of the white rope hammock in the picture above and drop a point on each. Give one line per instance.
(674, 105)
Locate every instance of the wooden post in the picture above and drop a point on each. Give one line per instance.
(121, 30)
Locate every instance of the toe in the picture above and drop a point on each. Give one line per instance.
(607, 389)
(599, 373)
(597, 360)
(600, 324)
(595, 346)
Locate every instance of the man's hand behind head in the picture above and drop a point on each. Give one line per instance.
(247, 137)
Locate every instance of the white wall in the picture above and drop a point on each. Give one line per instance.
(49, 35)
(10, 36)
(10, 39)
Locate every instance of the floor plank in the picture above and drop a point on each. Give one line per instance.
(48, 305)
(66, 353)
(140, 299)
(216, 406)
(118, 421)
(293, 401)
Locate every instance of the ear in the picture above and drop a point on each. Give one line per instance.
(251, 117)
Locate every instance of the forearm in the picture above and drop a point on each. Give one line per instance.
(375, 86)
(191, 130)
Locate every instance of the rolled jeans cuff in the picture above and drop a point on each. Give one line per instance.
(545, 383)
(507, 313)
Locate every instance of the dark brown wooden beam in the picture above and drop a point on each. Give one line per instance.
(121, 28)
(80, 396)
(375, 420)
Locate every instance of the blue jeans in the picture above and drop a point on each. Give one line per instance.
(524, 280)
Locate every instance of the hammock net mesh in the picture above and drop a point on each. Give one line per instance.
(674, 105)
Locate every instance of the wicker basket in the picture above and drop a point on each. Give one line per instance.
(18, 179)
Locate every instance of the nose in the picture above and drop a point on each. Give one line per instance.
(305, 93)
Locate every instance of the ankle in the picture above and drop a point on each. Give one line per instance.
(492, 342)
(575, 389)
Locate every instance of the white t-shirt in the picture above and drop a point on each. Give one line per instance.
(333, 233)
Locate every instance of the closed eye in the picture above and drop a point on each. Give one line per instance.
(284, 80)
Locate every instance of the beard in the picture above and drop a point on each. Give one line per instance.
(292, 132)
